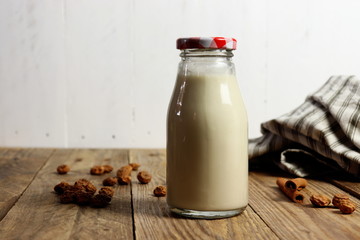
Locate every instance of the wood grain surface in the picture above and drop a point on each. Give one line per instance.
(154, 221)
(39, 215)
(32, 210)
(290, 220)
(18, 167)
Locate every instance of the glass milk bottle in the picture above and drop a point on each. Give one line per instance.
(207, 141)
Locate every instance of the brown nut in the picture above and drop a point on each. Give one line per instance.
(320, 200)
(82, 181)
(123, 175)
(86, 185)
(61, 187)
(107, 191)
(110, 181)
(63, 169)
(144, 177)
(97, 170)
(339, 198)
(347, 207)
(107, 168)
(82, 197)
(67, 197)
(160, 191)
(100, 200)
(135, 166)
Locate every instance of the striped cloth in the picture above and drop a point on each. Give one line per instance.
(324, 130)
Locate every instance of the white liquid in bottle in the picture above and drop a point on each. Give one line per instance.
(207, 141)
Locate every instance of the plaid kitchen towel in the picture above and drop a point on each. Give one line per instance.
(323, 131)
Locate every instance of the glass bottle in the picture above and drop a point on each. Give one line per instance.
(207, 139)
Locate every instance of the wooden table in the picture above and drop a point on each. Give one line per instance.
(29, 209)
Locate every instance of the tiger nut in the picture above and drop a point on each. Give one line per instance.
(100, 201)
(107, 191)
(110, 181)
(86, 185)
(82, 197)
(67, 197)
(61, 187)
(319, 200)
(107, 168)
(63, 169)
(123, 175)
(135, 166)
(338, 199)
(347, 207)
(97, 170)
(144, 177)
(160, 191)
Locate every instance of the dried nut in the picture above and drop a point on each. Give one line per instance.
(100, 200)
(107, 168)
(339, 198)
(63, 169)
(110, 181)
(82, 197)
(144, 177)
(107, 191)
(61, 187)
(160, 191)
(67, 197)
(97, 170)
(82, 181)
(135, 166)
(320, 200)
(81, 192)
(347, 207)
(86, 185)
(123, 174)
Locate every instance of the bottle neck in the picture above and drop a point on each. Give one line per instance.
(207, 53)
(206, 62)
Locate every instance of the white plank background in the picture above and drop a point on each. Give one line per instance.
(99, 73)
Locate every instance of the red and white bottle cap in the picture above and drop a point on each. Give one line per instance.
(206, 43)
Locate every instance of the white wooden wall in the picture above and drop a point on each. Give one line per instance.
(99, 73)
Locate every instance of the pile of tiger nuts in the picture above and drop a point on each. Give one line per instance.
(82, 192)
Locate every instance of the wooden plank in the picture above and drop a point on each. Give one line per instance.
(295, 221)
(347, 183)
(39, 215)
(153, 220)
(18, 168)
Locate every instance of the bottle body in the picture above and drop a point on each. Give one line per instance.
(207, 161)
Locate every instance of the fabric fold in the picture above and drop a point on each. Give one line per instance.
(327, 123)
